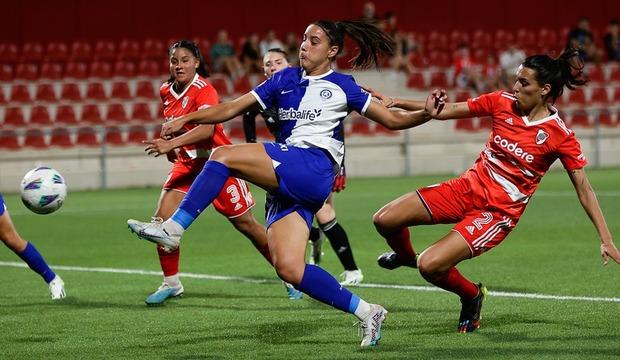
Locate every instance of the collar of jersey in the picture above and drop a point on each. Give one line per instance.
(554, 115)
(304, 76)
(178, 96)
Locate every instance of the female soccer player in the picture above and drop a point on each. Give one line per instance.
(487, 201)
(298, 170)
(186, 91)
(27, 252)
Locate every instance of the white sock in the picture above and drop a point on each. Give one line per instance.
(173, 280)
(363, 308)
(173, 227)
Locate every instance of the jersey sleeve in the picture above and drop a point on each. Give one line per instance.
(266, 92)
(483, 105)
(357, 99)
(570, 153)
(206, 97)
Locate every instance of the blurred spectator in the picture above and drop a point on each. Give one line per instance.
(491, 74)
(223, 56)
(270, 42)
(581, 38)
(612, 40)
(509, 61)
(390, 23)
(368, 13)
(400, 60)
(291, 46)
(250, 55)
(466, 74)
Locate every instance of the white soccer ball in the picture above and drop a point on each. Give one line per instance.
(43, 190)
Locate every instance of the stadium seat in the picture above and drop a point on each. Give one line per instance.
(599, 96)
(116, 113)
(81, 51)
(580, 118)
(137, 134)
(418, 60)
(439, 59)
(548, 39)
(34, 138)
(40, 115)
(86, 136)
(462, 95)
(382, 130)
(482, 40)
(148, 68)
(20, 94)
(141, 112)
(76, 70)
(9, 140)
(6, 72)
(605, 118)
(70, 92)
(32, 52)
(61, 137)
(65, 115)
(614, 76)
(52, 71)
(2, 99)
(360, 126)
(526, 38)
(416, 81)
(153, 49)
(100, 69)
(14, 116)
(595, 74)
(120, 90)
(221, 84)
(28, 72)
(156, 134)
(576, 97)
(114, 136)
(439, 80)
(91, 114)
(104, 51)
(9, 53)
(129, 50)
(235, 131)
(45, 92)
(458, 37)
(616, 95)
(57, 52)
(95, 91)
(242, 85)
(124, 69)
(502, 39)
(145, 90)
(485, 123)
(437, 41)
(465, 124)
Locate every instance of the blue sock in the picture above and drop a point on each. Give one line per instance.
(35, 261)
(322, 286)
(203, 191)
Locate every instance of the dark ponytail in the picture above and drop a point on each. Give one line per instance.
(193, 48)
(371, 40)
(566, 70)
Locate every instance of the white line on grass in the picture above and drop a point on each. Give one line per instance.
(268, 281)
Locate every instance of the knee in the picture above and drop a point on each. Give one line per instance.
(381, 220)
(430, 265)
(289, 271)
(221, 154)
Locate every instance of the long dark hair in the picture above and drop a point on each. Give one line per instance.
(371, 40)
(193, 48)
(565, 71)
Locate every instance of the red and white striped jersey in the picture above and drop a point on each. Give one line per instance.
(519, 151)
(199, 94)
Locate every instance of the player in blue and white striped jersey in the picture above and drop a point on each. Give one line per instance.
(299, 168)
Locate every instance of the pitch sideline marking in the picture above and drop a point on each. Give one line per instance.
(269, 281)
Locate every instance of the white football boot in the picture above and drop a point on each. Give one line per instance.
(351, 277)
(370, 325)
(57, 288)
(157, 231)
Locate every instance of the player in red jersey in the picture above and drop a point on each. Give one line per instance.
(187, 91)
(487, 201)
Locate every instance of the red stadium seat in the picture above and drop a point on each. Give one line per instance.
(141, 112)
(61, 137)
(156, 134)
(129, 50)
(70, 92)
(465, 125)
(20, 93)
(485, 123)
(9, 140)
(576, 97)
(235, 131)
(360, 126)
(604, 118)
(25, 71)
(382, 130)
(462, 95)
(437, 41)
(125, 69)
(65, 115)
(242, 85)
(149, 68)
(9, 53)
(45, 92)
(439, 79)
(14, 116)
(32, 52)
(40, 116)
(116, 114)
(2, 99)
(86, 136)
(580, 118)
(100, 69)
(120, 90)
(76, 70)
(6, 72)
(51, 71)
(502, 39)
(595, 74)
(418, 60)
(153, 49)
(526, 38)
(548, 39)
(91, 114)
(95, 91)
(137, 134)
(81, 51)
(57, 52)
(416, 81)
(114, 136)
(145, 90)
(221, 84)
(105, 50)
(35, 139)
(599, 96)
(482, 40)
(614, 76)
(616, 95)
(439, 59)
(458, 37)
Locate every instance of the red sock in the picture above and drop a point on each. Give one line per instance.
(169, 261)
(453, 281)
(401, 244)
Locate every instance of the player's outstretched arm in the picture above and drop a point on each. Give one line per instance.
(392, 102)
(588, 200)
(212, 115)
(161, 146)
(400, 119)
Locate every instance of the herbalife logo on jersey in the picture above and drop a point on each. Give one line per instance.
(292, 114)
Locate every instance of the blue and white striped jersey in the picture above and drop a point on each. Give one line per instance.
(311, 108)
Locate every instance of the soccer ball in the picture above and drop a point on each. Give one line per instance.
(43, 190)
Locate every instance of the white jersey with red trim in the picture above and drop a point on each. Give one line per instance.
(519, 151)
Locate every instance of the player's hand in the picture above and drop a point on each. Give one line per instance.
(158, 147)
(340, 183)
(435, 102)
(386, 101)
(610, 251)
(171, 127)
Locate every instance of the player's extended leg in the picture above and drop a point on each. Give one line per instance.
(253, 230)
(287, 242)
(437, 266)
(392, 221)
(27, 252)
(326, 217)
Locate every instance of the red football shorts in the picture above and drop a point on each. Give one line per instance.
(455, 201)
(234, 200)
